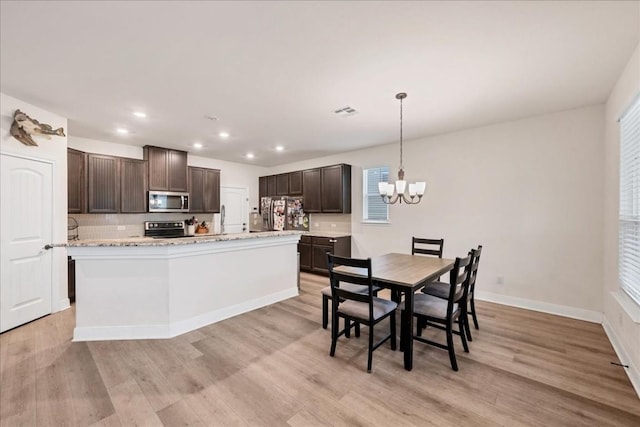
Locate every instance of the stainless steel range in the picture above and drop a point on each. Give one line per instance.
(164, 229)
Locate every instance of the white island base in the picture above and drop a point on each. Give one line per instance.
(166, 288)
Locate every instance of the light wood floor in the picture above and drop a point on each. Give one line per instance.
(272, 367)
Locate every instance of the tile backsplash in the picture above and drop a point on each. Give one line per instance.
(118, 226)
(330, 222)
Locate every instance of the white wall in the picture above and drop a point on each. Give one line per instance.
(530, 191)
(621, 314)
(52, 150)
(231, 174)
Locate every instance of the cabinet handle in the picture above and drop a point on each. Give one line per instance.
(333, 241)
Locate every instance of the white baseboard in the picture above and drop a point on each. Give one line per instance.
(63, 304)
(183, 326)
(545, 307)
(172, 329)
(632, 371)
(108, 333)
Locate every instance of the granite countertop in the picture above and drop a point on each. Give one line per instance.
(327, 233)
(198, 238)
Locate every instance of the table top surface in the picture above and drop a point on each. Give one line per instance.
(404, 270)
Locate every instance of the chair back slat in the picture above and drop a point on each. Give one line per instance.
(434, 246)
(336, 278)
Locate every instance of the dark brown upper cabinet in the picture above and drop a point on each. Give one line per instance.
(133, 186)
(263, 187)
(104, 183)
(282, 184)
(295, 183)
(271, 185)
(312, 181)
(212, 190)
(336, 189)
(167, 169)
(204, 190)
(76, 181)
(196, 189)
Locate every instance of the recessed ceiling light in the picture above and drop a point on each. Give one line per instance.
(197, 145)
(140, 114)
(223, 135)
(250, 156)
(279, 148)
(122, 131)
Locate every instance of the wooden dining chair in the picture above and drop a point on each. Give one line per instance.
(357, 307)
(443, 313)
(441, 290)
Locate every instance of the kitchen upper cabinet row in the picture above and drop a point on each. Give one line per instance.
(105, 184)
(108, 184)
(324, 190)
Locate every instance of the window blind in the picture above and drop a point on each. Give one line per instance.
(373, 208)
(629, 219)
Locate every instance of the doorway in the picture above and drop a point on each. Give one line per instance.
(26, 225)
(234, 209)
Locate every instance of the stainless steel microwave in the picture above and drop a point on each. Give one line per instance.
(168, 201)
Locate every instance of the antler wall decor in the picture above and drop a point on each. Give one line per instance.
(23, 127)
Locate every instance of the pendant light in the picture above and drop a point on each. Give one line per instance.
(397, 193)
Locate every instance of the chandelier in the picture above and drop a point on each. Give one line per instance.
(397, 193)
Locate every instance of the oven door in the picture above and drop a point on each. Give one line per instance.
(167, 201)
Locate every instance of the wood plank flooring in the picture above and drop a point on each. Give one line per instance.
(272, 367)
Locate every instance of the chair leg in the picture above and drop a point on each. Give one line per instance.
(467, 328)
(465, 317)
(347, 328)
(452, 352)
(392, 321)
(325, 311)
(357, 329)
(370, 359)
(334, 333)
(461, 327)
(473, 312)
(419, 326)
(403, 333)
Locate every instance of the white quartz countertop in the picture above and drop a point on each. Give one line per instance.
(327, 234)
(197, 239)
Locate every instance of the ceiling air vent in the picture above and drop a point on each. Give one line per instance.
(345, 111)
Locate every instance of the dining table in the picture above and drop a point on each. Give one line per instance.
(404, 274)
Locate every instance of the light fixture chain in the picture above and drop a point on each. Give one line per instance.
(401, 165)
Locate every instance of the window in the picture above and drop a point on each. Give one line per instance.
(373, 208)
(629, 220)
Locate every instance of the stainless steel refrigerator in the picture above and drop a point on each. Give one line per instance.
(283, 213)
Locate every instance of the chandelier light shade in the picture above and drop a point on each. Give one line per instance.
(397, 193)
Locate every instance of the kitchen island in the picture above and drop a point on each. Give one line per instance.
(140, 288)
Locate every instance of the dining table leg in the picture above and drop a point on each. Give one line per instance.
(406, 330)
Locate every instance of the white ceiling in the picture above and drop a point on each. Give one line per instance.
(273, 72)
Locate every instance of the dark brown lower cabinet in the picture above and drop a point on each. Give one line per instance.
(304, 247)
(313, 252)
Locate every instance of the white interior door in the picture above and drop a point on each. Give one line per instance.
(235, 201)
(26, 224)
